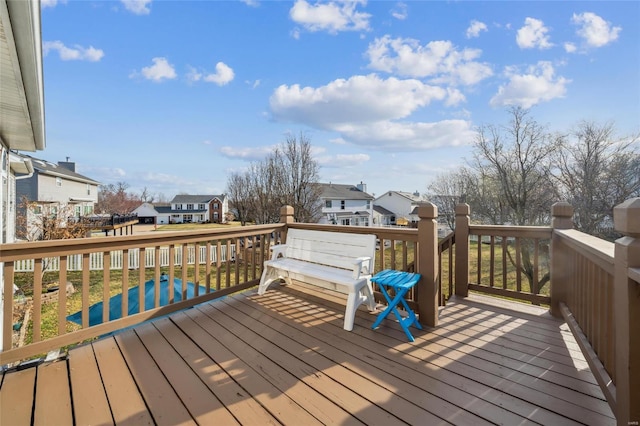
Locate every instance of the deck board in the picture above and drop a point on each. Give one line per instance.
(127, 405)
(283, 358)
(53, 390)
(90, 404)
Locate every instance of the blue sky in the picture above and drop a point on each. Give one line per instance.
(175, 95)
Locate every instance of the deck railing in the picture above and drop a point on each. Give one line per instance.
(232, 260)
(595, 285)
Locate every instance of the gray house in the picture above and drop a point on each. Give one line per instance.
(57, 187)
(346, 204)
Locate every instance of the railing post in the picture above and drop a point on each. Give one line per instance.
(286, 214)
(427, 265)
(626, 297)
(462, 249)
(286, 217)
(560, 270)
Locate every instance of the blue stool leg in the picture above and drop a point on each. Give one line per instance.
(386, 312)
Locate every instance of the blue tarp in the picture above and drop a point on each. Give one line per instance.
(115, 302)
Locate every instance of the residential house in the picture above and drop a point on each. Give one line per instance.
(199, 208)
(22, 107)
(156, 213)
(56, 188)
(402, 205)
(346, 204)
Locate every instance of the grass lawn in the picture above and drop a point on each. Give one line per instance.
(195, 226)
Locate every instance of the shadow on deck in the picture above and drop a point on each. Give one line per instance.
(284, 358)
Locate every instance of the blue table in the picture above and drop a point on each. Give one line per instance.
(401, 283)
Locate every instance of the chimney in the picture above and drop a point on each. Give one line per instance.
(362, 186)
(69, 165)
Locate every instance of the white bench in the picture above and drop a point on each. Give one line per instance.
(334, 260)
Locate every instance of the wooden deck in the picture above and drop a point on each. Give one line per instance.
(284, 358)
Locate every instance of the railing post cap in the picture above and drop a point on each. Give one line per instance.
(286, 210)
(427, 211)
(562, 209)
(626, 217)
(463, 209)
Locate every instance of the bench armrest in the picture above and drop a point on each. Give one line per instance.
(361, 266)
(278, 250)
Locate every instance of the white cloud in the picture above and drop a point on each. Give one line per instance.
(246, 153)
(400, 11)
(365, 110)
(533, 35)
(410, 136)
(342, 160)
(159, 71)
(538, 84)
(223, 75)
(475, 28)
(137, 7)
(254, 84)
(332, 17)
(595, 31)
(436, 59)
(252, 3)
(360, 99)
(51, 3)
(570, 47)
(75, 53)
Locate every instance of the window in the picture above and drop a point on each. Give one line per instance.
(88, 209)
(189, 206)
(201, 207)
(178, 206)
(188, 218)
(78, 210)
(368, 204)
(327, 204)
(88, 189)
(346, 222)
(342, 205)
(215, 215)
(216, 206)
(37, 209)
(58, 181)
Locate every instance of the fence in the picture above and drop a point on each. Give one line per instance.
(96, 260)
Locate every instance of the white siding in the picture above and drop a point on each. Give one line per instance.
(400, 205)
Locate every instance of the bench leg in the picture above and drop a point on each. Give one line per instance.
(270, 275)
(350, 312)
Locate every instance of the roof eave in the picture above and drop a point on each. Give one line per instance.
(24, 127)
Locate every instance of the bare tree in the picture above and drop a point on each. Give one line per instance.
(146, 196)
(287, 176)
(115, 199)
(597, 171)
(299, 178)
(448, 190)
(517, 158)
(239, 193)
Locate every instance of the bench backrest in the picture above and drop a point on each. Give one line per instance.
(337, 249)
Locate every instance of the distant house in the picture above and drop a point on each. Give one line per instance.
(54, 189)
(346, 204)
(199, 209)
(402, 205)
(383, 217)
(154, 213)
